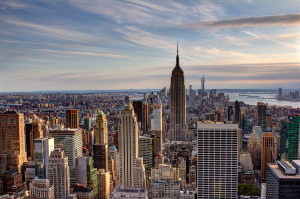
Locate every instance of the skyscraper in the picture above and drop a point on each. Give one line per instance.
(262, 115)
(101, 132)
(100, 155)
(70, 141)
(33, 130)
(72, 118)
(87, 123)
(103, 184)
(267, 152)
(86, 174)
(146, 152)
(59, 175)
(217, 160)
(178, 128)
(100, 148)
(202, 85)
(42, 150)
(279, 97)
(293, 138)
(157, 112)
(237, 111)
(12, 141)
(130, 166)
(141, 111)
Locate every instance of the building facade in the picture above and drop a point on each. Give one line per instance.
(128, 149)
(262, 115)
(103, 184)
(41, 189)
(267, 152)
(12, 141)
(72, 118)
(70, 141)
(217, 164)
(101, 132)
(59, 175)
(42, 150)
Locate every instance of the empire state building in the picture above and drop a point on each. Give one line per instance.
(178, 128)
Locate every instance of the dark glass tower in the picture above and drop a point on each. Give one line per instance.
(178, 129)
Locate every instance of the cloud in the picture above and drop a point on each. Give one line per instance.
(86, 53)
(157, 13)
(54, 31)
(18, 5)
(275, 20)
(276, 39)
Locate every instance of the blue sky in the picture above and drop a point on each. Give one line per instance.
(83, 45)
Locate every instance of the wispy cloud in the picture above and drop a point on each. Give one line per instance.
(86, 53)
(156, 13)
(276, 39)
(275, 20)
(19, 5)
(144, 38)
(63, 33)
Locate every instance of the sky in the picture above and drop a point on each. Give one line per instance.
(128, 44)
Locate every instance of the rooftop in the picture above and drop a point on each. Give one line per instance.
(280, 174)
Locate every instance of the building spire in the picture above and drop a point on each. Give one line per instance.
(177, 57)
(177, 48)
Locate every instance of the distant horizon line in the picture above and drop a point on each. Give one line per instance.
(140, 90)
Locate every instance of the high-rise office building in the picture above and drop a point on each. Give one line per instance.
(146, 152)
(283, 181)
(70, 141)
(100, 155)
(86, 174)
(59, 175)
(157, 112)
(237, 111)
(279, 97)
(202, 85)
(262, 115)
(217, 160)
(87, 123)
(128, 150)
(284, 140)
(33, 130)
(293, 138)
(157, 142)
(12, 141)
(141, 111)
(178, 127)
(72, 118)
(101, 132)
(42, 150)
(40, 188)
(267, 152)
(103, 184)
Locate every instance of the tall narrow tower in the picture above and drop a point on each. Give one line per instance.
(202, 85)
(178, 129)
(101, 132)
(132, 170)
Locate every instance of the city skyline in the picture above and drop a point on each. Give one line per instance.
(107, 45)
